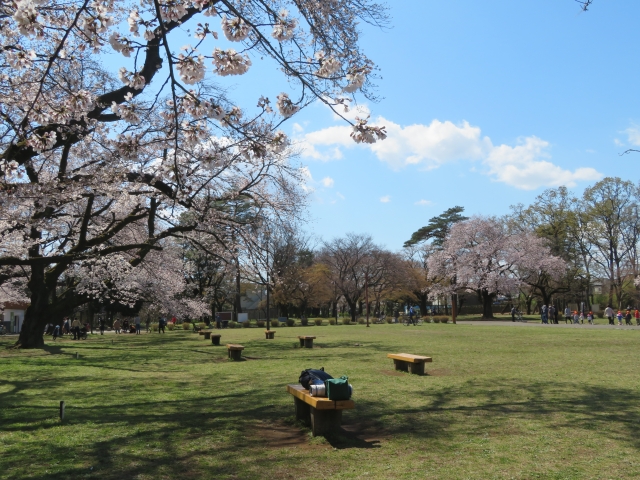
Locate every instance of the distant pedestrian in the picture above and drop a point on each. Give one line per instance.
(117, 326)
(147, 324)
(218, 323)
(637, 315)
(411, 313)
(590, 318)
(543, 314)
(551, 313)
(581, 318)
(161, 324)
(75, 328)
(513, 314)
(66, 327)
(608, 312)
(567, 315)
(137, 322)
(619, 318)
(627, 317)
(101, 325)
(56, 332)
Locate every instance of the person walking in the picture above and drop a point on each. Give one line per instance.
(218, 323)
(147, 323)
(513, 314)
(75, 328)
(543, 314)
(137, 322)
(567, 315)
(117, 326)
(590, 318)
(627, 317)
(576, 317)
(619, 318)
(56, 332)
(608, 312)
(66, 328)
(551, 313)
(161, 323)
(101, 325)
(637, 315)
(411, 315)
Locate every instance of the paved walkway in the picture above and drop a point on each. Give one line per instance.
(503, 323)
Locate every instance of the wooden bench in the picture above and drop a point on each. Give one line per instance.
(235, 351)
(215, 339)
(323, 415)
(306, 341)
(269, 334)
(207, 335)
(409, 363)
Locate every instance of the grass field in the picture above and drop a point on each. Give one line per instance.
(499, 402)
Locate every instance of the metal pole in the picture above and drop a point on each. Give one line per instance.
(366, 294)
(268, 322)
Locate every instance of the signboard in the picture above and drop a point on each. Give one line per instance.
(243, 317)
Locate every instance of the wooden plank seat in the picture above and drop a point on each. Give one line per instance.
(215, 338)
(201, 332)
(234, 351)
(409, 363)
(323, 415)
(306, 341)
(269, 334)
(207, 335)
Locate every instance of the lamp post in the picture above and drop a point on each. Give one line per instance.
(268, 322)
(366, 294)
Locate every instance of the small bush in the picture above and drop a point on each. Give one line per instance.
(275, 323)
(154, 327)
(261, 323)
(332, 321)
(304, 321)
(171, 326)
(436, 319)
(361, 321)
(440, 319)
(318, 322)
(444, 320)
(346, 321)
(389, 319)
(290, 322)
(246, 324)
(233, 324)
(185, 325)
(428, 320)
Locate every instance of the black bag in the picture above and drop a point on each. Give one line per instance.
(311, 376)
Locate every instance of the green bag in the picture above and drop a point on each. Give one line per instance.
(338, 388)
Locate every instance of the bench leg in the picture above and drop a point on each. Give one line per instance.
(235, 354)
(308, 343)
(325, 421)
(303, 411)
(417, 368)
(400, 365)
(301, 342)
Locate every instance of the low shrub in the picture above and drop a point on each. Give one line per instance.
(332, 321)
(428, 320)
(185, 325)
(233, 324)
(436, 319)
(171, 326)
(246, 324)
(275, 323)
(154, 327)
(290, 322)
(440, 319)
(361, 321)
(318, 322)
(304, 321)
(444, 320)
(261, 323)
(389, 319)
(346, 321)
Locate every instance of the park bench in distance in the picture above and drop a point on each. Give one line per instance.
(269, 334)
(215, 339)
(306, 341)
(323, 415)
(409, 363)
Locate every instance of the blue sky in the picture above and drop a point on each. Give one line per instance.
(486, 105)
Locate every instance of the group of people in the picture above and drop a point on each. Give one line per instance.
(628, 316)
(69, 327)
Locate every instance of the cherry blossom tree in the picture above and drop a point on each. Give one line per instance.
(480, 255)
(100, 162)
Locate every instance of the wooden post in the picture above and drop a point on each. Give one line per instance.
(454, 306)
(366, 290)
(61, 410)
(325, 421)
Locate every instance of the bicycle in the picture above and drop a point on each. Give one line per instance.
(406, 321)
(380, 320)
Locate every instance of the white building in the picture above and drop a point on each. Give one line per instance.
(14, 316)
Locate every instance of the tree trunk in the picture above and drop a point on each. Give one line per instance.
(487, 304)
(37, 314)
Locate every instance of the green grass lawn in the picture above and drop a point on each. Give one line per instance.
(499, 402)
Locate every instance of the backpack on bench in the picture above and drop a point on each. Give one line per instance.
(311, 376)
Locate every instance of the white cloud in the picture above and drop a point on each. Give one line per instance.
(340, 196)
(633, 135)
(327, 182)
(385, 199)
(424, 203)
(526, 165)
